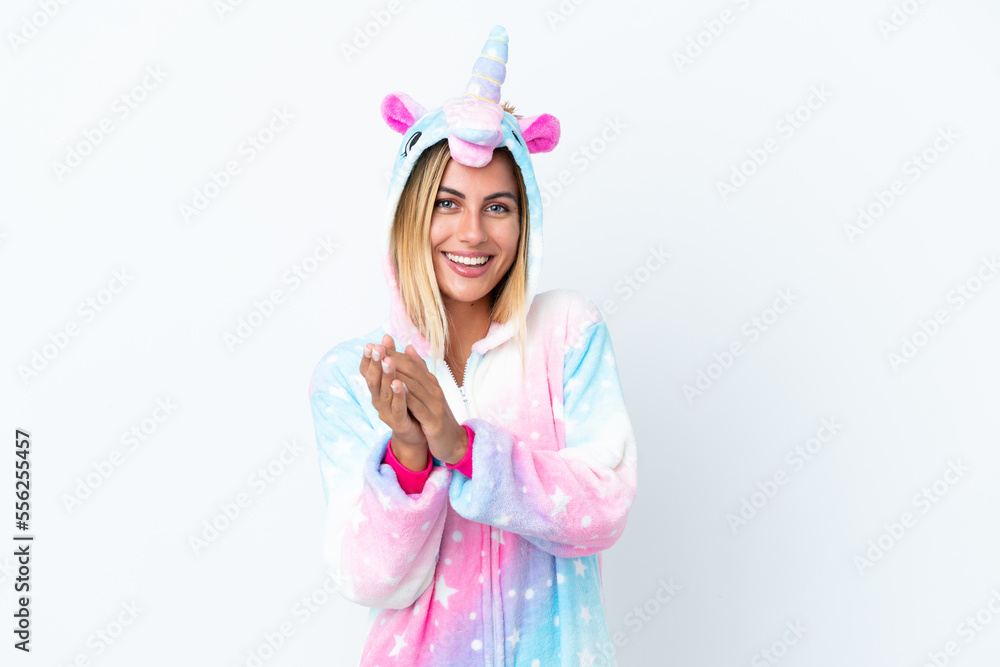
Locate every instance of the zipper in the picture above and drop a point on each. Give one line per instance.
(496, 596)
(461, 389)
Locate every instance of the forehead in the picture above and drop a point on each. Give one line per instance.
(497, 173)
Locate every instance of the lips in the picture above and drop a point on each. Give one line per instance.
(467, 270)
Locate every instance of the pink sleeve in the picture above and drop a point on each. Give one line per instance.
(465, 465)
(409, 480)
(413, 481)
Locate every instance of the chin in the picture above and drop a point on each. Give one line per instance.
(469, 297)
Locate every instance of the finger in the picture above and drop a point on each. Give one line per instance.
(403, 363)
(379, 354)
(419, 382)
(416, 406)
(388, 375)
(388, 343)
(366, 357)
(373, 377)
(411, 352)
(399, 407)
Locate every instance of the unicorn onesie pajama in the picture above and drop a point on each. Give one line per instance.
(494, 560)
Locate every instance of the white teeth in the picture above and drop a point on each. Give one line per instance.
(468, 261)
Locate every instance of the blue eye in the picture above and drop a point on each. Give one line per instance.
(443, 201)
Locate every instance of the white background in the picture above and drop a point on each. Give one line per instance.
(652, 183)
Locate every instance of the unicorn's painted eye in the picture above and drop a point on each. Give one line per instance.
(410, 143)
(517, 138)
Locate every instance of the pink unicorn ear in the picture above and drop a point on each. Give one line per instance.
(400, 111)
(540, 132)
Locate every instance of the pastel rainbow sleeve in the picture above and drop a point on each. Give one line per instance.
(571, 499)
(381, 544)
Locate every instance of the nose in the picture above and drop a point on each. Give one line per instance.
(472, 228)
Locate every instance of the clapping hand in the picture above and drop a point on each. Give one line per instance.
(409, 399)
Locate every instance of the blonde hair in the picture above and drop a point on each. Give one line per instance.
(409, 245)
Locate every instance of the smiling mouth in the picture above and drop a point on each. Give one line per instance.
(473, 262)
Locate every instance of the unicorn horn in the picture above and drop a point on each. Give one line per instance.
(490, 69)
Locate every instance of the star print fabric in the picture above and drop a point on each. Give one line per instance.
(571, 501)
(501, 568)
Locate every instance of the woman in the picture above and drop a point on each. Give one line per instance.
(469, 500)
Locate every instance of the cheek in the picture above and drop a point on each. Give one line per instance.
(511, 238)
(438, 233)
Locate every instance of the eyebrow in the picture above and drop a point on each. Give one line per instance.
(492, 196)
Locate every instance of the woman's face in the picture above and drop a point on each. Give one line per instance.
(475, 215)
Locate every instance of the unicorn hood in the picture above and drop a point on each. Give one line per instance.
(475, 124)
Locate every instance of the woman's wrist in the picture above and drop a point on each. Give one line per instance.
(411, 481)
(464, 464)
(459, 448)
(412, 458)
